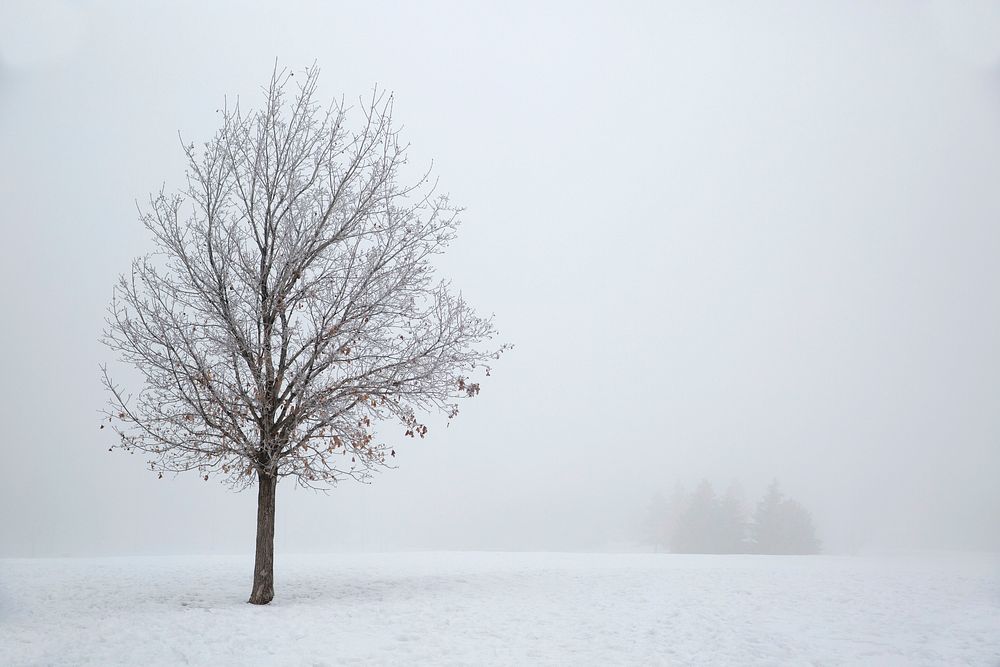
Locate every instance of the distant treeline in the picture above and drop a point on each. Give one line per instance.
(703, 522)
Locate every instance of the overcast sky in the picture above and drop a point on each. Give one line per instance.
(727, 242)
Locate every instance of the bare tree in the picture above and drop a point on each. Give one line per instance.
(291, 305)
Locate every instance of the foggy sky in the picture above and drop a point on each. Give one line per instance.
(727, 242)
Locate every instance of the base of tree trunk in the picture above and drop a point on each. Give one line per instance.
(263, 567)
(261, 594)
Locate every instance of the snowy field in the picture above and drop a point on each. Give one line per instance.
(499, 608)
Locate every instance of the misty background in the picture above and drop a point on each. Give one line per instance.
(727, 243)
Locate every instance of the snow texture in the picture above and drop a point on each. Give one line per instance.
(503, 608)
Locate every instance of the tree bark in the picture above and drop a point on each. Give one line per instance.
(263, 567)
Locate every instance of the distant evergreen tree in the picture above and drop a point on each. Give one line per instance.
(766, 527)
(699, 529)
(800, 533)
(783, 526)
(733, 520)
(663, 516)
(677, 506)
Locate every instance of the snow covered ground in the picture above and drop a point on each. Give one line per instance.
(501, 608)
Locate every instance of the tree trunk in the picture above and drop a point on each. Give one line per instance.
(263, 567)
